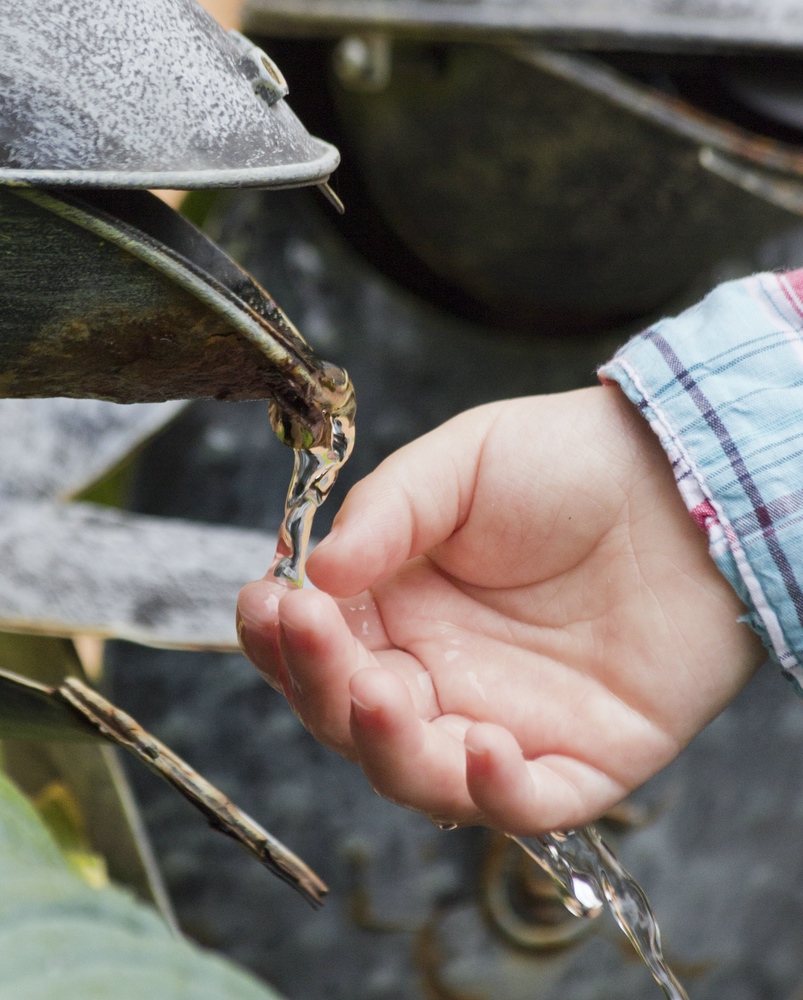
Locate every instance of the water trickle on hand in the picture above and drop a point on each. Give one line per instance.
(587, 873)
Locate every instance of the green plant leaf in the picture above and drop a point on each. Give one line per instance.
(60, 939)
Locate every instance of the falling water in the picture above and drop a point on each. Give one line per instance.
(588, 875)
(314, 473)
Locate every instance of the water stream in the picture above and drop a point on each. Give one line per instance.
(588, 875)
(586, 872)
(314, 473)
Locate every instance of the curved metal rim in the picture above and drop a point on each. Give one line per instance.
(285, 176)
(588, 27)
(672, 113)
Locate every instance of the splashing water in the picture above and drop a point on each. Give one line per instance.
(314, 473)
(588, 876)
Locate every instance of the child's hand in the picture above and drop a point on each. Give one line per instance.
(525, 622)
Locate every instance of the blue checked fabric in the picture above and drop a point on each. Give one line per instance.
(722, 387)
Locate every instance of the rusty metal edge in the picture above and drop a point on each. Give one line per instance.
(671, 113)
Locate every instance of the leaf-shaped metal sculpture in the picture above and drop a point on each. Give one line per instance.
(115, 296)
(156, 581)
(54, 449)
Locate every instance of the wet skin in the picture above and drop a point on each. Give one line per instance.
(516, 622)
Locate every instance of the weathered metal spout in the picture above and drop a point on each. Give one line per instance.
(112, 295)
(121, 94)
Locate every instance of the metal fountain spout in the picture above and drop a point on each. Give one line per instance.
(113, 295)
(105, 291)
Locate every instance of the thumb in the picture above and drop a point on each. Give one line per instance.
(413, 501)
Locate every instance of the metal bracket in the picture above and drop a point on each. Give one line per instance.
(265, 76)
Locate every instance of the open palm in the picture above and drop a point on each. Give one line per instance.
(525, 623)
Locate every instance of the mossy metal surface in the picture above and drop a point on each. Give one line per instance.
(117, 297)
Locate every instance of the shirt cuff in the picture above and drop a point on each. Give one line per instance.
(722, 387)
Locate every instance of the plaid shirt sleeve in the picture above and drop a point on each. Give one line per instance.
(722, 387)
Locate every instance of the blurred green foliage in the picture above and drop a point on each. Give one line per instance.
(61, 939)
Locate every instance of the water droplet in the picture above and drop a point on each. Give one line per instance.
(475, 683)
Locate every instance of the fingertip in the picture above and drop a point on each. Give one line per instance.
(258, 604)
(302, 610)
(490, 751)
(329, 540)
(408, 761)
(528, 798)
(382, 714)
(352, 557)
(311, 631)
(261, 653)
(485, 737)
(498, 780)
(258, 628)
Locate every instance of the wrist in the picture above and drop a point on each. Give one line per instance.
(721, 386)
